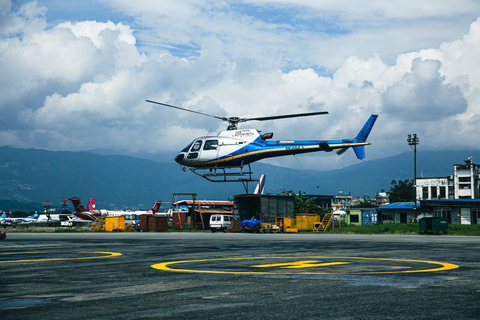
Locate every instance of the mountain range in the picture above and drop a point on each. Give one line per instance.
(120, 182)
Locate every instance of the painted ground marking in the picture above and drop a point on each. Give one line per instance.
(104, 254)
(298, 264)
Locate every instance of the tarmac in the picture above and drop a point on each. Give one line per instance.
(200, 275)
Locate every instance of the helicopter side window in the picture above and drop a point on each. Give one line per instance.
(211, 145)
(196, 146)
(187, 147)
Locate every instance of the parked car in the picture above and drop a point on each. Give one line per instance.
(220, 222)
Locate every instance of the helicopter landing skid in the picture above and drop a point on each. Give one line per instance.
(233, 174)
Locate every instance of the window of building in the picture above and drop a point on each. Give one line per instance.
(387, 216)
(464, 179)
(354, 218)
(424, 192)
(433, 191)
(441, 213)
(451, 192)
(443, 194)
(464, 186)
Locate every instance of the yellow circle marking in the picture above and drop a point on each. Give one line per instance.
(166, 266)
(106, 255)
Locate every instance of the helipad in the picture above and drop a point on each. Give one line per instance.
(307, 265)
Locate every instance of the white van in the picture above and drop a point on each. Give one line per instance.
(220, 222)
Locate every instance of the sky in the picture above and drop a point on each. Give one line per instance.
(74, 75)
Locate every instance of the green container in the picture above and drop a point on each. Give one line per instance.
(185, 227)
(432, 224)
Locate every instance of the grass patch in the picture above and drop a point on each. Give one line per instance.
(404, 228)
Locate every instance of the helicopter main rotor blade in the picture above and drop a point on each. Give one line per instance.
(203, 114)
(295, 115)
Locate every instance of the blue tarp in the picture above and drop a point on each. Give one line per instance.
(251, 223)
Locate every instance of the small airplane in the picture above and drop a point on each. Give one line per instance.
(91, 213)
(234, 148)
(4, 216)
(155, 209)
(5, 219)
(82, 212)
(31, 219)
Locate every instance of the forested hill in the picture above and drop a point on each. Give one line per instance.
(119, 182)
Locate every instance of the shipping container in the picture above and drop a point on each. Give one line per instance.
(236, 225)
(305, 221)
(144, 222)
(179, 220)
(369, 217)
(156, 223)
(114, 223)
(263, 207)
(286, 224)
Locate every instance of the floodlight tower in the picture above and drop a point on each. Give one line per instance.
(413, 140)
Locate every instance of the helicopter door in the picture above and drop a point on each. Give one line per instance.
(194, 153)
(210, 150)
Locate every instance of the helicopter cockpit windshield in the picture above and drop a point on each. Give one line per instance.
(187, 147)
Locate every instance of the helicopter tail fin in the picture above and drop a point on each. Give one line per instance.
(360, 138)
(363, 134)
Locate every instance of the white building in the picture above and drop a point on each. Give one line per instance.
(463, 184)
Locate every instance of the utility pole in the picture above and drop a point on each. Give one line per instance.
(413, 140)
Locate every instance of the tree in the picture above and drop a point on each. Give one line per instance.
(403, 191)
(364, 204)
(304, 205)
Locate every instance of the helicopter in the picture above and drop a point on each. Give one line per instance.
(227, 156)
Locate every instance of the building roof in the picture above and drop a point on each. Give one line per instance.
(204, 203)
(399, 205)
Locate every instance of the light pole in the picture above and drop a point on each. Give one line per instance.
(413, 140)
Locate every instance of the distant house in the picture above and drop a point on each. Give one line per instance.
(362, 216)
(463, 184)
(398, 212)
(456, 211)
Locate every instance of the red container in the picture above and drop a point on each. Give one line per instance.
(144, 221)
(178, 220)
(236, 225)
(156, 223)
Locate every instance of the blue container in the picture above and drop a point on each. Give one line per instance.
(369, 217)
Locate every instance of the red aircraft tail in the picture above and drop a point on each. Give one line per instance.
(91, 204)
(79, 208)
(81, 211)
(156, 206)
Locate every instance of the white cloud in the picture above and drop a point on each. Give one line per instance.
(422, 96)
(82, 85)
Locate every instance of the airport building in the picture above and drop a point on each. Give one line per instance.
(463, 184)
(455, 197)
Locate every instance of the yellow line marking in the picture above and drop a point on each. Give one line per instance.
(165, 266)
(300, 264)
(107, 255)
(30, 252)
